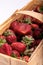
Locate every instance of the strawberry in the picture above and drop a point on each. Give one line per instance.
(15, 53)
(39, 9)
(34, 26)
(2, 40)
(27, 20)
(37, 33)
(2, 37)
(2, 51)
(25, 16)
(37, 41)
(6, 49)
(26, 58)
(21, 28)
(19, 46)
(10, 36)
(41, 27)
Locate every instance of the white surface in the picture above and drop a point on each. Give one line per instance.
(7, 7)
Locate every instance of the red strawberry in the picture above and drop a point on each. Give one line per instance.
(36, 8)
(26, 58)
(19, 46)
(18, 57)
(21, 28)
(39, 9)
(2, 51)
(36, 42)
(37, 33)
(25, 16)
(6, 49)
(2, 37)
(10, 36)
(34, 26)
(42, 27)
(2, 40)
(15, 53)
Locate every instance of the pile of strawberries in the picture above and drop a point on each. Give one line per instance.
(22, 37)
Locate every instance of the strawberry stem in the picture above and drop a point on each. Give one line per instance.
(13, 55)
(27, 20)
(41, 9)
(28, 40)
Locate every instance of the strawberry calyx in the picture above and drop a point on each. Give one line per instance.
(2, 41)
(8, 32)
(13, 55)
(27, 20)
(40, 9)
(28, 40)
(28, 51)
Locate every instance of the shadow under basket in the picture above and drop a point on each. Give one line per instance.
(37, 56)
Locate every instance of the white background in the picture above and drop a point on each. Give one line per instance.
(7, 7)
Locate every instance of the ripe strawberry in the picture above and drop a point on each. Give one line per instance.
(18, 57)
(15, 53)
(37, 41)
(26, 58)
(10, 36)
(42, 27)
(21, 28)
(34, 26)
(2, 40)
(19, 46)
(30, 20)
(37, 33)
(6, 49)
(39, 9)
(2, 51)
(25, 16)
(2, 37)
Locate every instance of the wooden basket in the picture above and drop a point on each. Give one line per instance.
(37, 56)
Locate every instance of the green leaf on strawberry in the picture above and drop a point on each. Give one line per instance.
(8, 32)
(41, 9)
(28, 40)
(13, 55)
(27, 20)
(28, 51)
(2, 41)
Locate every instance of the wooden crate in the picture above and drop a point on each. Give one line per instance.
(37, 56)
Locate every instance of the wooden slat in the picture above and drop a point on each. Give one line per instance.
(4, 60)
(15, 61)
